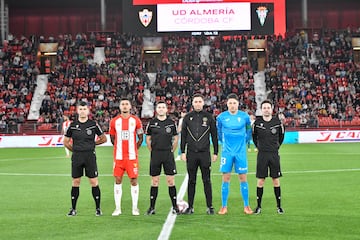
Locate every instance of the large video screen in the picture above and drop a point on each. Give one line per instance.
(204, 17)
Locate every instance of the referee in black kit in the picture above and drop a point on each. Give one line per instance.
(162, 141)
(268, 135)
(196, 130)
(82, 132)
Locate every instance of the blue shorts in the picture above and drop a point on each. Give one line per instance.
(229, 160)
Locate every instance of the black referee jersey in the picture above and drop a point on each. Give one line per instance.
(83, 135)
(161, 133)
(268, 136)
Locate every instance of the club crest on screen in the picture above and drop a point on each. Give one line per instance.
(145, 17)
(262, 13)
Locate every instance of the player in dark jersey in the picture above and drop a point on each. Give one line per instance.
(162, 140)
(82, 132)
(197, 129)
(268, 135)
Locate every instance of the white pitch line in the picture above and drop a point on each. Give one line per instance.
(170, 220)
(179, 174)
(318, 153)
(286, 153)
(28, 159)
(36, 174)
(324, 171)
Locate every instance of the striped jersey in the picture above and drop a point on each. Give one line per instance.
(65, 126)
(125, 131)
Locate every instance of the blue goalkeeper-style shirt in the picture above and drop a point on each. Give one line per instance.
(234, 130)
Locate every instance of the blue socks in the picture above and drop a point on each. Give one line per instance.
(224, 193)
(244, 189)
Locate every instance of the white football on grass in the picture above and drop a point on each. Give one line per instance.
(182, 205)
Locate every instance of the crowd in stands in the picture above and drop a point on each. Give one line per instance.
(309, 78)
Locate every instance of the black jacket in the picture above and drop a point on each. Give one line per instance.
(197, 127)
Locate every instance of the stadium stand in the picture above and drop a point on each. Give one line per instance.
(314, 83)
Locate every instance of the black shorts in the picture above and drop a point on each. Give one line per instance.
(268, 161)
(162, 158)
(81, 161)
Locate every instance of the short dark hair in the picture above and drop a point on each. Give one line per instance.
(267, 101)
(198, 95)
(232, 96)
(82, 103)
(161, 101)
(125, 99)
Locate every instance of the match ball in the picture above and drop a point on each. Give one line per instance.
(182, 205)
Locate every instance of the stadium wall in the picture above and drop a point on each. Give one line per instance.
(335, 136)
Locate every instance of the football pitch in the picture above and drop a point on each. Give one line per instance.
(320, 197)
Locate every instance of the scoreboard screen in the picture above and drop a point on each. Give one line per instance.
(204, 17)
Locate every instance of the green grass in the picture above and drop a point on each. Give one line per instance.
(320, 196)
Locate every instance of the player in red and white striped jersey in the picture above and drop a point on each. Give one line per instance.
(126, 134)
(64, 127)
